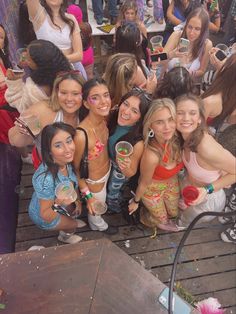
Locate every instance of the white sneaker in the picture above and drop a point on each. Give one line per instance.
(69, 238)
(80, 223)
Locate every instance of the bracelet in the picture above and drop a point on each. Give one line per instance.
(209, 188)
(136, 202)
(88, 196)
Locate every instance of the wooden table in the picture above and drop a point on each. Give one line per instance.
(89, 277)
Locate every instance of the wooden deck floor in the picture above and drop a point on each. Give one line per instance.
(207, 268)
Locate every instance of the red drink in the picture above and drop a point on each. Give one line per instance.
(190, 193)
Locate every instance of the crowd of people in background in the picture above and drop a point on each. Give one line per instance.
(175, 116)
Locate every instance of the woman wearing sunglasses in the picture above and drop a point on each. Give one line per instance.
(63, 106)
(125, 124)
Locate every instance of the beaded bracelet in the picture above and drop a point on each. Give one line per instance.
(88, 196)
(209, 188)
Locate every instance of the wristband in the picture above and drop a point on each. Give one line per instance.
(88, 196)
(209, 188)
(136, 202)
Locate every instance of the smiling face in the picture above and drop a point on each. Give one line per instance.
(129, 112)
(130, 15)
(54, 3)
(70, 95)
(193, 29)
(163, 125)
(188, 117)
(62, 148)
(2, 37)
(99, 100)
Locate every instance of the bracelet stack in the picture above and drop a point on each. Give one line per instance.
(86, 193)
(209, 188)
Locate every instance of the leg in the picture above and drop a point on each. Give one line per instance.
(10, 174)
(98, 10)
(97, 222)
(115, 183)
(141, 6)
(112, 8)
(171, 197)
(158, 11)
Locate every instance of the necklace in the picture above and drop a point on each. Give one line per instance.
(63, 168)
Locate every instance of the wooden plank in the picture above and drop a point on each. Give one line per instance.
(207, 284)
(26, 180)
(171, 240)
(225, 297)
(92, 277)
(197, 268)
(189, 253)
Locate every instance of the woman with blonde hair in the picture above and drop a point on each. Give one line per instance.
(63, 106)
(158, 186)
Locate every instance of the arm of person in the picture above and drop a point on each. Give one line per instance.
(219, 158)
(215, 26)
(35, 11)
(149, 161)
(79, 141)
(129, 165)
(140, 79)
(174, 20)
(204, 60)
(77, 54)
(172, 44)
(212, 105)
(18, 136)
(143, 29)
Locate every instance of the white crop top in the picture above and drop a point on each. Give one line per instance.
(60, 37)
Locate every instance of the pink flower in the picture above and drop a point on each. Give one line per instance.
(209, 306)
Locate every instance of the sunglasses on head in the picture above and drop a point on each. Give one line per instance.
(141, 91)
(64, 73)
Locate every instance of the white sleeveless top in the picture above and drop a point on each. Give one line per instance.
(59, 37)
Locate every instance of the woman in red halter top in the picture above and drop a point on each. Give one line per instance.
(158, 184)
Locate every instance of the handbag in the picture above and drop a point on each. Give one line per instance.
(83, 169)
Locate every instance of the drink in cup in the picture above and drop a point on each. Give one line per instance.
(32, 122)
(156, 42)
(190, 193)
(99, 207)
(65, 190)
(123, 149)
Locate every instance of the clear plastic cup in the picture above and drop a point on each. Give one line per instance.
(123, 149)
(190, 193)
(32, 122)
(99, 207)
(223, 47)
(65, 190)
(156, 41)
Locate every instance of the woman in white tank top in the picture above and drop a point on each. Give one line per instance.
(51, 22)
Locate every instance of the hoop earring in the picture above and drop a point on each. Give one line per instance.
(151, 133)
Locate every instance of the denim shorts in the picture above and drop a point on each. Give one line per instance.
(41, 223)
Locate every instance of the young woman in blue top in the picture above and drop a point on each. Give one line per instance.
(125, 124)
(57, 154)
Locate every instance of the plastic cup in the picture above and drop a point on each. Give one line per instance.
(32, 122)
(123, 149)
(99, 207)
(156, 41)
(190, 193)
(65, 190)
(223, 47)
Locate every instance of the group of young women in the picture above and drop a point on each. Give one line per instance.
(82, 121)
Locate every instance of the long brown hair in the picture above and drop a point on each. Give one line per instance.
(199, 44)
(173, 145)
(196, 136)
(224, 83)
